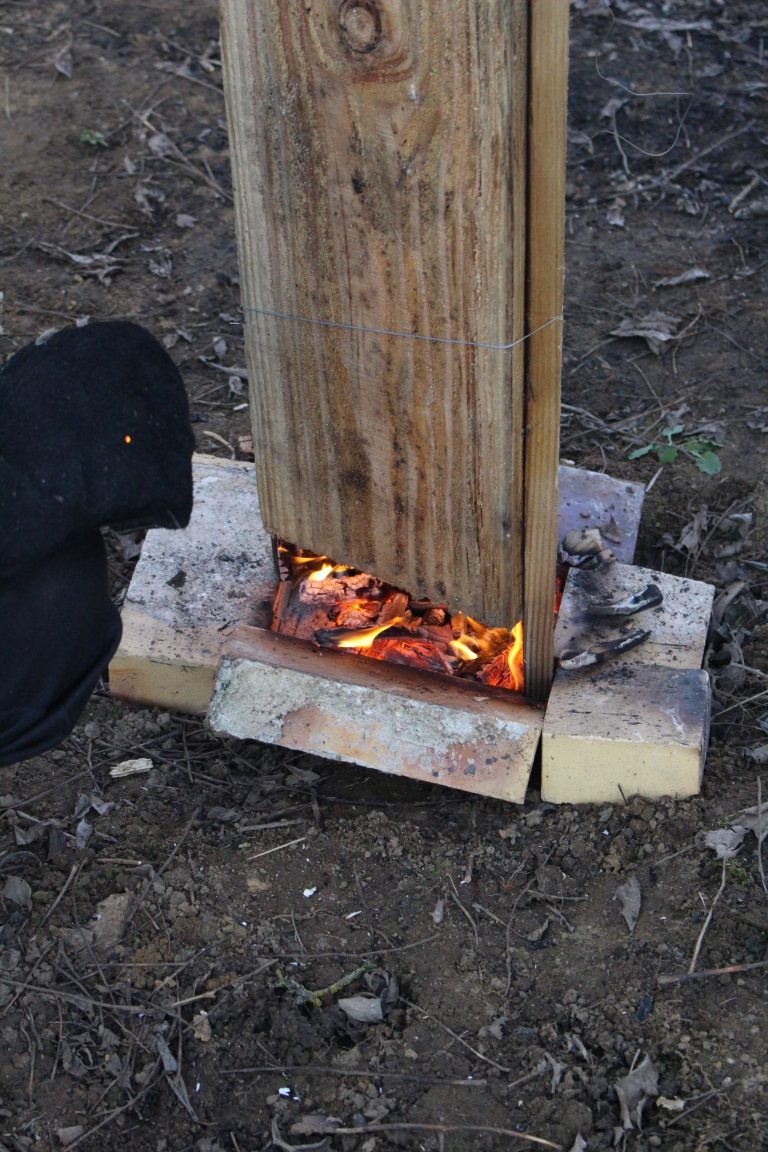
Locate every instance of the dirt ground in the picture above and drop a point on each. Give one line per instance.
(160, 933)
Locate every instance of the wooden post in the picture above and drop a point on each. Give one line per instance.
(381, 154)
(546, 214)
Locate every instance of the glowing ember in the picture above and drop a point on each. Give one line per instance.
(338, 607)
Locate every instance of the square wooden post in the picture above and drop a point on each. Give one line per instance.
(386, 181)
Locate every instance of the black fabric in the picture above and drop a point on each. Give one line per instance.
(94, 430)
(58, 631)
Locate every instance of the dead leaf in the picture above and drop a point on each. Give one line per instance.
(18, 891)
(688, 277)
(690, 537)
(69, 1134)
(438, 912)
(754, 820)
(62, 60)
(111, 919)
(759, 753)
(579, 1144)
(83, 833)
(656, 328)
(725, 841)
(201, 1026)
(183, 220)
(495, 1029)
(101, 806)
(362, 1009)
(630, 898)
(633, 1091)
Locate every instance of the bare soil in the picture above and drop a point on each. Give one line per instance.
(159, 932)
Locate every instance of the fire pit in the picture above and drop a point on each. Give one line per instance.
(198, 637)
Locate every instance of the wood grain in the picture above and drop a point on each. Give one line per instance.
(546, 214)
(379, 155)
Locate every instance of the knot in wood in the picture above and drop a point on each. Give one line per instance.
(360, 25)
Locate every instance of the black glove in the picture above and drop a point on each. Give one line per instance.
(94, 431)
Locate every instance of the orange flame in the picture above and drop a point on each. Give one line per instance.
(462, 650)
(364, 637)
(321, 572)
(515, 658)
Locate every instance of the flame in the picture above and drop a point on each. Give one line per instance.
(462, 650)
(515, 658)
(364, 637)
(320, 573)
(428, 636)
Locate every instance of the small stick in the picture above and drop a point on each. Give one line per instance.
(760, 833)
(707, 920)
(277, 848)
(73, 873)
(455, 896)
(455, 1035)
(447, 1129)
(705, 973)
(362, 1073)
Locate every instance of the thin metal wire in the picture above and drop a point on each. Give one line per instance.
(346, 327)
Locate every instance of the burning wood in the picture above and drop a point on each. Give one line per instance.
(335, 606)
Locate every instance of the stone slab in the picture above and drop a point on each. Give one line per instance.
(191, 587)
(595, 500)
(624, 730)
(678, 625)
(391, 718)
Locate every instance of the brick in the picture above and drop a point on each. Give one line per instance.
(191, 587)
(624, 730)
(678, 626)
(637, 725)
(391, 718)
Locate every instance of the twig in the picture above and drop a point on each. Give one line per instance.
(73, 874)
(455, 1035)
(277, 848)
(660, 181)
(357, 955)
(284, 1146)
(85, 215)
(705, 973)
(167, 862)
(760, 834)
(447, 1129)
(455, 897)
(361, 1073)
(708, 919)
(713, 1092)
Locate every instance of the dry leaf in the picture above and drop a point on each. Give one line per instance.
(18, 891)
(111, 919)
(756, 821)
(656, 328)
(633, 1091)
(725, 841)
(362, 1009)
(688, 277)
(69, 1134)
(629, 896)
(201, 1026)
